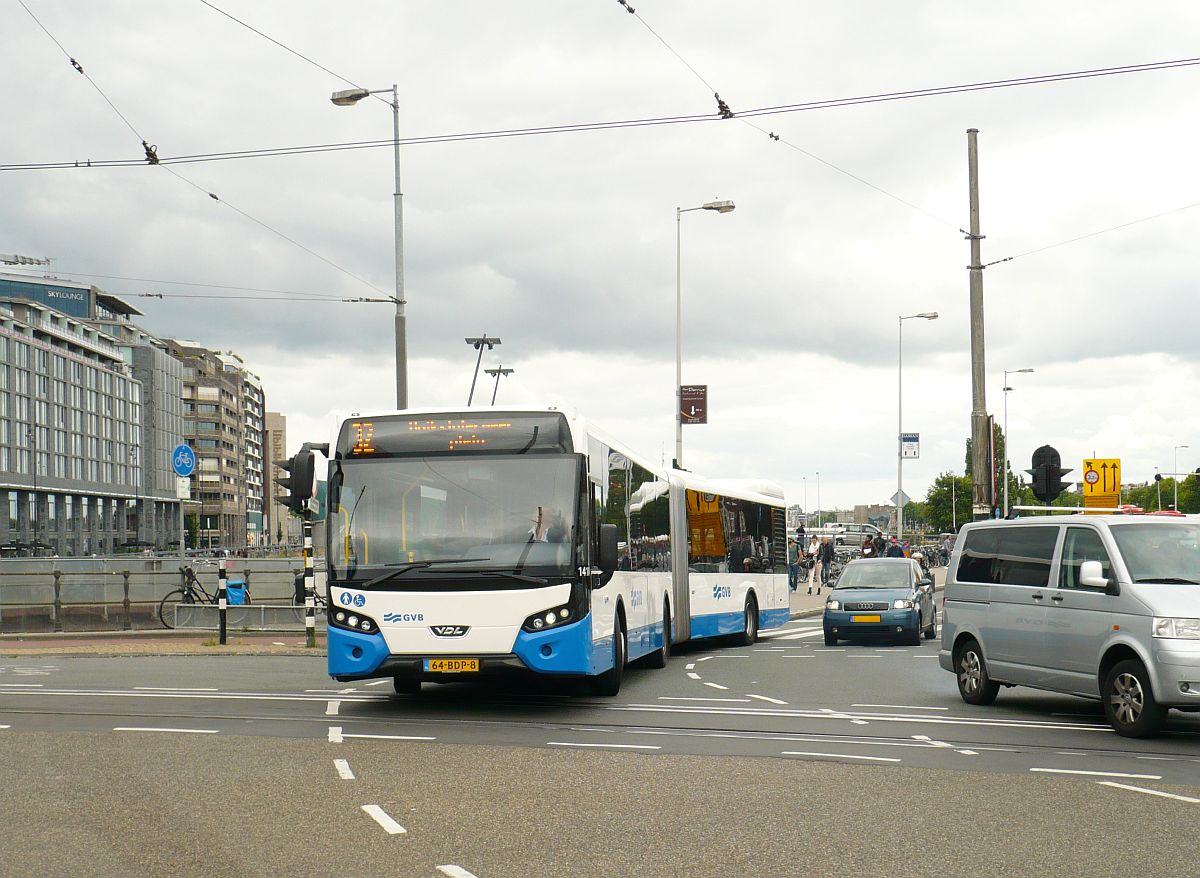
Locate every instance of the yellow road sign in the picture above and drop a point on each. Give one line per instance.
(1102, 482)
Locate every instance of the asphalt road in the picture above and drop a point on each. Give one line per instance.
(785, 758)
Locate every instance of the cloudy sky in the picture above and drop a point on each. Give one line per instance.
(563, 245)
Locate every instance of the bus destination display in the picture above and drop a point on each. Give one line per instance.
(417, 434)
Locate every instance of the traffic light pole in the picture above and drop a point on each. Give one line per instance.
(310, 599)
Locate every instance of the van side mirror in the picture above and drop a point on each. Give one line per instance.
(607, 557)
(1091, 575)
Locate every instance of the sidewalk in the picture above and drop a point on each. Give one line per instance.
(159, 642)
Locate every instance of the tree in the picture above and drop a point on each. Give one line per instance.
(192, 526)
(949, 494)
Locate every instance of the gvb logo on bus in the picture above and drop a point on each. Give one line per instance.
(722, 591)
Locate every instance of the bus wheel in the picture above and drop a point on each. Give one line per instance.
(658, 658)
(609, 683)
(406, 686)
(749, 635)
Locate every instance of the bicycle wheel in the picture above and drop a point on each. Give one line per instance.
(298, 608)
(166, 607)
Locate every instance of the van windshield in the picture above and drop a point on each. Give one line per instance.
(1160, 552)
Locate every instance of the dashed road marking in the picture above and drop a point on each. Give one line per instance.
(378, 683)
(693, 675)
(602, 746)
(699, 698)
(1122, 786)
(1098, 773)
(332, 708)
(343, 769)
(766, 698)
(704, 658)
(177, 731)
(902, 706)
(335, 734)
(840, 756)
(171, 689)
(452, 871)
(384, 819)
(717, 686)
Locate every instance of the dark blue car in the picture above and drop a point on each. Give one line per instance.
(884, 598)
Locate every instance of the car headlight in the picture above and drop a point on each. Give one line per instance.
(1181, 629)
(902, 604)
(833, 605)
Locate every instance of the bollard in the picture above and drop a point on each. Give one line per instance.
(58, 625)
(128, 624)
(222, 601)
(310, 600)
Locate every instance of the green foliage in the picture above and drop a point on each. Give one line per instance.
(947, 495)
(191, 524)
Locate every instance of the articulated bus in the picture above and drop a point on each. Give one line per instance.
(494, 540)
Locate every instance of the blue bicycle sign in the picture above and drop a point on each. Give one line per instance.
(183, 461)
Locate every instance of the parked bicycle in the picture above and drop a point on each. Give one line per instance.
(298, 598)
(191, 592)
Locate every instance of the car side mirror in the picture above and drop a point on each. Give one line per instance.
(606, 559)
(1091, 575)
(927, 582)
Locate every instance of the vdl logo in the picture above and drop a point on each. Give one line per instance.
(722, 591)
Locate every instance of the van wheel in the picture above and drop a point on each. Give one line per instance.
(1129, 702)
(749, 635)
(658, 658)
(974, 684)
(609, 683)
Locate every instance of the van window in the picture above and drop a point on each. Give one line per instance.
(1008, 555)
(1081, 544)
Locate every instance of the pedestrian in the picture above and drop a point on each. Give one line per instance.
(894, 550)
(868, 547)
(793, 557)
(879, 544)
(814, 549)
(826, 562)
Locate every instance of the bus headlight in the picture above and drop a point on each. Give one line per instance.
(353, 621)
(551, 618)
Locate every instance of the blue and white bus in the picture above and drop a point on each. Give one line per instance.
(493, 540)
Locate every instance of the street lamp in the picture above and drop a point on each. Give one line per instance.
(804, 479)
(31, 435)
(719, 207)
(349, 98)
(1007, 372)
(1175, 473)
(818, 499)
(924, 315)
(498, 371)
(479, 344)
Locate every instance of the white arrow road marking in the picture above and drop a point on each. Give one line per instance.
(1098, 773)
(383, 819)
(833, 714)
(1122, 786)
(452, 871)
(343, 769)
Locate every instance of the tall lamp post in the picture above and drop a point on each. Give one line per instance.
(1007, 458)
(804, 479)
(349, 98)
(1175, 474)
(818, 499)
(924, 315)
(719, 207)
(479, 344)
(498, 372)
(31, 434)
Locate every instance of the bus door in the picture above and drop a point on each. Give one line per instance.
(680, 595)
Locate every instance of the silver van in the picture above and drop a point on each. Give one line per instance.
(1101, 606)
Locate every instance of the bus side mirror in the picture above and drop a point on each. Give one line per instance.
(607, 558)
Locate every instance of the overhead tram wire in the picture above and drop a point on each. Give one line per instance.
(578, 127)
(151, 157)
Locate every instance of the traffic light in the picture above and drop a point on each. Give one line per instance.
(300, 481)
(1158, 477)
(1047, 474)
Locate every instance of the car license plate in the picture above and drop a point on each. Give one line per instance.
(864, 618)
(451, 666)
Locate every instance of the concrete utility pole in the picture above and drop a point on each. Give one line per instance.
(981, 442)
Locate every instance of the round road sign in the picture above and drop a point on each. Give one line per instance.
(183, 461)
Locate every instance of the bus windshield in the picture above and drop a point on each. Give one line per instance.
(515, 513)
(1160, 552)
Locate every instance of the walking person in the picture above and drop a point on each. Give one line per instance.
(826, 562)
(793, 557)
(894, 550)
(880, 545)
(868, 547)
(814, 548)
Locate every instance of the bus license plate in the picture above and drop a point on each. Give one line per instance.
(864, 618)
(451, 666)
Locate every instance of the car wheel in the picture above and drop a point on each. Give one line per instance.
(1129, 702)
(974, 684)
(406, 686)
(931, 631)
(830, 640)
(609, 683)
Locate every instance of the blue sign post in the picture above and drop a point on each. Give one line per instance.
(183, 460)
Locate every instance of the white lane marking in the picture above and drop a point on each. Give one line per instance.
(278, 643)
(690, 665)
(23, 685)
(734, 656)
(933, 743)
(1098, 773)
(797, 656)
(383, 819)
(967, 752)
(718, 686)
(925, 656)
(832, 649)
(704, 658)
(840, 756)
(335, 734)
(149, 729)
(833, 714)
(332, 708)
(902, 706)
(765, 698)
(1159, 758)
(171, 689)
(794, 629)
(693, 675)
(391, 737)
(1122, 786)
(377, 683)
(605, 746)
(865, 656)
(5, 727)
(452, 871)
(343, 769)
(802, 634)
(698, 698)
